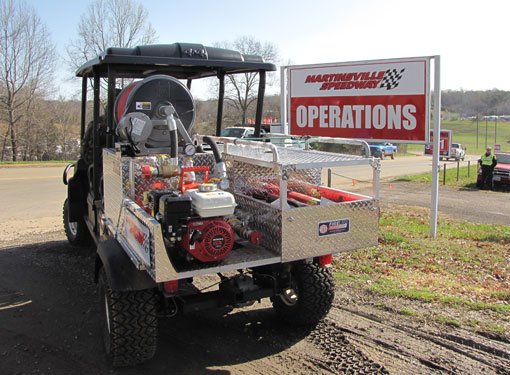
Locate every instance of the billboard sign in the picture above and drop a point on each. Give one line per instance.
(374, 100)
(445, 140)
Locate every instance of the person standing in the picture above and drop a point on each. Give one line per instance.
(488, 161)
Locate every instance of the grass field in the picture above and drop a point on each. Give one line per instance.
(452, 178)
(464, 132)
(464, 274)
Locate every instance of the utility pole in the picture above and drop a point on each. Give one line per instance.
(486, 125)
(496, 127)
(477, 123)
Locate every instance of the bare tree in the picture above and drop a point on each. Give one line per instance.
(241, 89)
(110, 23)
(66, 120)
(26, 60)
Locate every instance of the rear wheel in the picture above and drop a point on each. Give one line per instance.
(129, 324)
(77, 232)
(308, 297)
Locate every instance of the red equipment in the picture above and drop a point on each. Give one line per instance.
(208, 240)
(318, 191)
(193, 185)
(274, 190)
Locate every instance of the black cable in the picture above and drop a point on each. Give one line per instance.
(217, 156)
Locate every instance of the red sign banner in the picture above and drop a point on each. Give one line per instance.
(384, 100)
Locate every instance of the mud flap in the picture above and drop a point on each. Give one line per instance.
(121, 273)
(77, 192)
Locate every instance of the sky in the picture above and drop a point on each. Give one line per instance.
(471, 37)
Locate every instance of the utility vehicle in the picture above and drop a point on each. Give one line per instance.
(163, 210)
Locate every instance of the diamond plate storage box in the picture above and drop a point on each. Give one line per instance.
(278, 197)
(317, 227)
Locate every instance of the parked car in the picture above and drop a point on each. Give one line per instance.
(501, 174)
(382, 149)
(240, 132)
(456, 152)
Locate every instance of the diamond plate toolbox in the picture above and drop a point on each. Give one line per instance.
(309, 230)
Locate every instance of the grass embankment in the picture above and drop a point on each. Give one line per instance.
(464, 132)
(49, 163)
(466, 269)
(466, 176)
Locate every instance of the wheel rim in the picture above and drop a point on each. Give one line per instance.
(289, 296)
(73, 228)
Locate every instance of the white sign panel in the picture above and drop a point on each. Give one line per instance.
(385, 99)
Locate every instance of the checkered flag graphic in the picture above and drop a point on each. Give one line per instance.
(391, 78)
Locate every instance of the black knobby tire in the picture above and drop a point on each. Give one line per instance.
(77, 232)
(129, 324)
(314, 290)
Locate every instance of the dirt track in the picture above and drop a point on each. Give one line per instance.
(49, 323)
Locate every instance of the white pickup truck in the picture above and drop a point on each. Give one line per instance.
(456, 152)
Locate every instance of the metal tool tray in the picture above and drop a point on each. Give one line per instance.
(287, 233)
(295, 233)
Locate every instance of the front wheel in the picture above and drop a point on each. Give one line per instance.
(77, 232)
(129, 324)
(308, 297)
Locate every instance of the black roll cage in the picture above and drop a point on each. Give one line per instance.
(185, 61)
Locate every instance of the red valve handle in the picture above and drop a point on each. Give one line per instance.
(198, 168)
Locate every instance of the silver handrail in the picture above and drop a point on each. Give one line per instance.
(242, 142)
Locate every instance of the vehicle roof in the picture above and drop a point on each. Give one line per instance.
(240, 127)
(181, 60)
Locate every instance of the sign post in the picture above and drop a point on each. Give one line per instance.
(435, 156)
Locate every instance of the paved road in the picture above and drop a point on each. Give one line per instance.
(31, 201)
(31, 192)
(473, 205)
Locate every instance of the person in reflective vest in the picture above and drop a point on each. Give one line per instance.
(488, 161)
